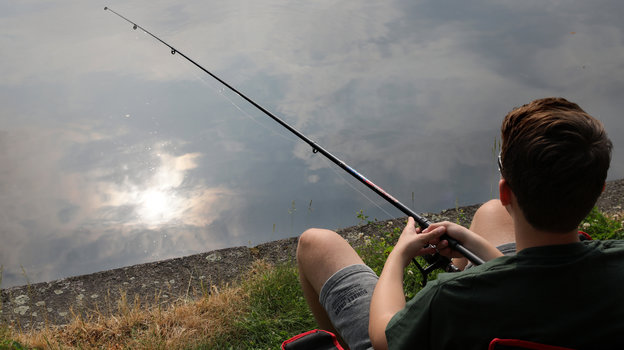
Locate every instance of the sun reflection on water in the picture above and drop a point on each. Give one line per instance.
(161, 198)
(157, 207)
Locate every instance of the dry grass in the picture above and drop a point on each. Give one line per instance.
(185, 324)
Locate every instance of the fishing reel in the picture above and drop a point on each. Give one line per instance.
(435, 262)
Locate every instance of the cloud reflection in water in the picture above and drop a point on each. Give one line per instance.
(116, 152)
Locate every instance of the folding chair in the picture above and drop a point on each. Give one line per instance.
(516, 344)
(316, 339)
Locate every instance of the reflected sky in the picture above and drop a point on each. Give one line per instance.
(115, 152)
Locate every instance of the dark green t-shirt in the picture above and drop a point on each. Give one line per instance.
(567, 295)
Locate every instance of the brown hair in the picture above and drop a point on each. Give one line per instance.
(555, 159)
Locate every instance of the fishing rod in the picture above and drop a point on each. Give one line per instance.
(435, 261)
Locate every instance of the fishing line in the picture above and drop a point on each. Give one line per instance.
(330, 166)
(222, 92)
(346, 180)
(435, 260)
(341, 175)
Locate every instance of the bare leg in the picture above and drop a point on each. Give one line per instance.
(321, 253)
(492, 222)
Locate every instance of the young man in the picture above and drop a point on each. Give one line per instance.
(556, 290)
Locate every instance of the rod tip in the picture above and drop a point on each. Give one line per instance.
(105, 8)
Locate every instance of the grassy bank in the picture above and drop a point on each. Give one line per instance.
(259, 313)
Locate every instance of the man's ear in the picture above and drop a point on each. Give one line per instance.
(504, 192)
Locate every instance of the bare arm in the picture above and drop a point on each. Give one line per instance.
(388, 297)
(470, 240)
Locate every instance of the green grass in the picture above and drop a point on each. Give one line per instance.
(6, 343)
(276, 311)
(602, 227)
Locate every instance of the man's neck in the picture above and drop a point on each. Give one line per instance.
(527, 236)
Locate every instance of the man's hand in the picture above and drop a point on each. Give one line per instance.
(470, 240)
(415, 242)
(388, 297)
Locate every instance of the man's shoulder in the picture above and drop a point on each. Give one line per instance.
(612, 250)
(607, 245)
(499, 266)
(609, 249)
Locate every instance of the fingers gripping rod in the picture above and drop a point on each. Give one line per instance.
(422, 222)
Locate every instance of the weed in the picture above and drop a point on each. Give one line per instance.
(602, 227)
(461, 214)
(291, 212)
(310, 211)
(363, 218)
(29, 288)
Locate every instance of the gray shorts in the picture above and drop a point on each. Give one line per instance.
(507, 248)
(346, 297)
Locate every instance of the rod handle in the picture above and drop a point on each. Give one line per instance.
(472, 257)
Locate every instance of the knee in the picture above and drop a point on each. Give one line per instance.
(491, 208)
(313, 241)
(309, 239)
(493, 222)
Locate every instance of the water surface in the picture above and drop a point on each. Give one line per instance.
(116, 152)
